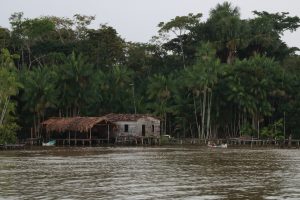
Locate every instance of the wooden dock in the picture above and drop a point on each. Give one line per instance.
(12, 146)
(236, 142)
(134, 140)
(142, 140)
(80, 142)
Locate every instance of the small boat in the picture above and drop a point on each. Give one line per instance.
(217, 146)
(49, 144)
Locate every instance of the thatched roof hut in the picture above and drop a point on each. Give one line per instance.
(96, 130)
(77, 124)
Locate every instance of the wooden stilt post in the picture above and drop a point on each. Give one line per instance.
(90, 137)
(31, 132)
(108, 134)
(69, 138)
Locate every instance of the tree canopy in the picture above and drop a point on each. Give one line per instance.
(220, 77)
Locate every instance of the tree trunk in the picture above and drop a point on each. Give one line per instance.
(34, 124)
(165, 128)
(60, 37)
(182, 53)
(258, 129)
(4, 110)
(184, 131)
(191, 130)
(183, 59)
(196, 118)
(209, 100)
(29, 56)
(38, 125)
(203, 113)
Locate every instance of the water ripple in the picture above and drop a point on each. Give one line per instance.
(150, 173)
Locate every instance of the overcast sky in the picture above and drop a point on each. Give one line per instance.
(136, 20)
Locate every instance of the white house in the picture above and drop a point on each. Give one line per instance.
(136, 125)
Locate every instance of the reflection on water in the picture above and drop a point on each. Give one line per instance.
(150, 173)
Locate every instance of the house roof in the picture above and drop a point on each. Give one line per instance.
(126, 117)
(80, 124)
(84, 124)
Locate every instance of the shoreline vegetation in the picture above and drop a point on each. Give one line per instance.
(223, 77)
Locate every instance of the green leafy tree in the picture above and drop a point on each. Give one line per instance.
(39, 93)
(76, 85)
(266, 31)
(160, 91)
(118, 87)
(201, 80)
(5, 38)
(28, 32)
(226, 30)
(9, 88)
(180, 26)
(249, 85)
(104, 47)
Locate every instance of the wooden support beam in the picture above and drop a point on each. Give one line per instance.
(108, 134)
(90, 137)
(69, 138)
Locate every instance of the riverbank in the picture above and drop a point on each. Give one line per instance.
(238, 142)
(187, 143)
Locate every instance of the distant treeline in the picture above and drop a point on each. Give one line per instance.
(223, 77)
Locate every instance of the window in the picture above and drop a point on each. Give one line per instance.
(152, 128)
(126, 128)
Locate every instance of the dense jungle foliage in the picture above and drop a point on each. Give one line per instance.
(215, 78)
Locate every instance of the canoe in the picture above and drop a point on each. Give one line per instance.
(49, 144)
(217, 146)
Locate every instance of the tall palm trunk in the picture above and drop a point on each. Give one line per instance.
(38, 125)
(182, 52)
(196, 118)
(209, 100)
(165, 128)
(203, 113)
(34, 124)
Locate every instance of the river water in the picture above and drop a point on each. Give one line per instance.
(150, 173)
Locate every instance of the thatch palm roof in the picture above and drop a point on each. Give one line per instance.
(127, 117)
(79, 124)
(84, 124)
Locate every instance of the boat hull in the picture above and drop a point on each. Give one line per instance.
(49, 144)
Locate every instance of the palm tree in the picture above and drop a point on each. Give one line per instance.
(39, 93)
(160, 91)
(10, 86)
(248, 85)
(200, 80)
(77, 85)
(227, 31)
(120, 81)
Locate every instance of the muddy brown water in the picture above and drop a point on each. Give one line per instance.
(150, 173)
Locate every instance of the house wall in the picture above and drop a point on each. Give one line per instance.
(135, 127)
(148, 122)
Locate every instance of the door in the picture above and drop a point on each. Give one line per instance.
(143, 130)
